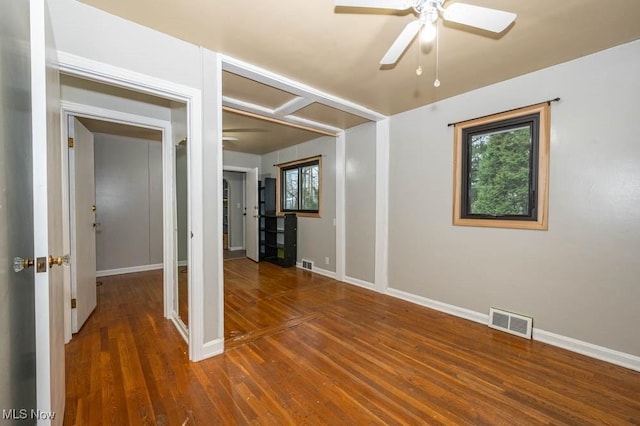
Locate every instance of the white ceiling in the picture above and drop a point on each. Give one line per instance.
(338, 50)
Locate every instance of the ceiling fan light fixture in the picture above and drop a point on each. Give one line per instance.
(428, 32)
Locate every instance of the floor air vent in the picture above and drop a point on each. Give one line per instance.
(510, 322)
(307, 264)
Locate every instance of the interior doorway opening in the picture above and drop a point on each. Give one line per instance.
(240, 213)
(138, 196)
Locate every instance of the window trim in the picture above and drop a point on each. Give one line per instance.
(295, 164)
(542, 171)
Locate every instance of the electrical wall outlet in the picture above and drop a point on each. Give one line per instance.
(326, 260)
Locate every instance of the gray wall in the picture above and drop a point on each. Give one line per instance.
(182, 200)
(580, 278)
(316, 236)
(236, 209)
(128, 174)
(360, 202)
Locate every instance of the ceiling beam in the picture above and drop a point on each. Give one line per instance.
(292, 106)
(268, 113)
(275, 120)
(269, 78)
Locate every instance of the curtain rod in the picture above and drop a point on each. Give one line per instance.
(502, 112)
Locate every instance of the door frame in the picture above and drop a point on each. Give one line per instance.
(71, 109)
(245, 170)
(93, 70)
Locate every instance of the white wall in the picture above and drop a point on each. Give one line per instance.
(580, 278)
(113, 98)
(128, 176)
(360, 202)
(91, 33)
(241, 159)
(316, 236)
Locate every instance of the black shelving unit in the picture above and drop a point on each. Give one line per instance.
(261, 214)
(278, 234)
(280, 243)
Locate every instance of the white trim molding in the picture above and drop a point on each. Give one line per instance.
(382, 205)
(341, 211)
(359, 283)
(318, 271)
(589, 349)
(212, 348)
(584, 348)
(128, 270)
(439, 306)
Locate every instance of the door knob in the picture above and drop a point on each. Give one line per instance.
(60, 260)
(19, 264)
(93, 208)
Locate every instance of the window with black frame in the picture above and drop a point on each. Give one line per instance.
(300, 186)
(501, 170)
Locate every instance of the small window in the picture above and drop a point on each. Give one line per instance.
(501, 170)
(299, 187)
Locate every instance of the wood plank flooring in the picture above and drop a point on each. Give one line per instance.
(305, 349)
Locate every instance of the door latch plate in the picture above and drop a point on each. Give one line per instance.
(41, 264)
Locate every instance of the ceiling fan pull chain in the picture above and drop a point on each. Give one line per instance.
(436, 83)
(419, 68)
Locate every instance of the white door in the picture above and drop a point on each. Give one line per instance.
(47, 216)
(253, 217)
(82, 211)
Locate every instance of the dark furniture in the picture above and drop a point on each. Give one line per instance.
(278, 234)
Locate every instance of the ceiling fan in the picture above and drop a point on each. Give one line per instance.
(428, 12)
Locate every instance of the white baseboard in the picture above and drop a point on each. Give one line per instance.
(129, 270)
(235, 248)
(212, 348)
(183, 263)
(589, 349)
(440, 306)
(360, 283)
(319, 271)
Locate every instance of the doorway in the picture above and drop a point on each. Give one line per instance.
(240, 213)
(153, 250)
(233, 215)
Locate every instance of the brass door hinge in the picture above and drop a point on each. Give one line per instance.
(73, 303)
(70, 142)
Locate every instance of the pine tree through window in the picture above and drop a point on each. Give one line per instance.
(501, 170)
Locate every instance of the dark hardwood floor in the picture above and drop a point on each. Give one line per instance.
(306, 349)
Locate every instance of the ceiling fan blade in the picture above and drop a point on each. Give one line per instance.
(377, 4)
(401, 43)
(480, 17)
